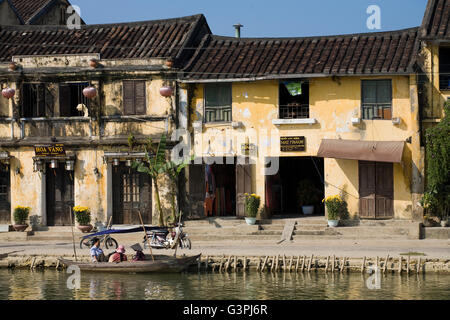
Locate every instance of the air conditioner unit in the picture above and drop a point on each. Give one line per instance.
(396, 120)
(237, 124)
(356, 121)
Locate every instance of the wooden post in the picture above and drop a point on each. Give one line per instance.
(378, 262)
(235, 263)
(342, 265)
(228, 263)
(276, 263)
(272, 267)
(400, 265)
(303, 263)
(418, 265)
(310, 262)
(290, 263)
(333, 263)
(296, 265)
(199, 263)
(207, 263)
(264, 263)
(363, 264)
(284, 263)
(385, 264)
(408, 264)
(326, 264)
(146, 236)
(73, 236)
(244, 263)
(221, 263)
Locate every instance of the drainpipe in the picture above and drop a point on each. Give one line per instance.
(238, 27)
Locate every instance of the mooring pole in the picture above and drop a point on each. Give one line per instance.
(146, 236)
(73, 236)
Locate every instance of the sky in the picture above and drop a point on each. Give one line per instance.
(263, 18)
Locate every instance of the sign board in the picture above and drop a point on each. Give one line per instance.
(292, 144)
(56, 150)
(248, 149)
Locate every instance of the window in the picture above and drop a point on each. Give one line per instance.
(218, 102)
(134, 98)
(294, 100)
(376, 99)
(444, 68)
(37, 101)
(70, 96)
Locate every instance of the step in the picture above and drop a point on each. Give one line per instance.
(311, 227)
(272, 227)
(218, 222)
(15, 236)
(234, 237)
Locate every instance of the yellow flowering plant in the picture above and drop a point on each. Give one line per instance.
(336, 207)
(252, 202)
(21, 214)
(82, 215)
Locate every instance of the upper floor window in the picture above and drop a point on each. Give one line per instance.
(376, 99)
(218, 102)
(70, 96)
(37, 101)
(444, 68)
(134, 97)
(294, 100)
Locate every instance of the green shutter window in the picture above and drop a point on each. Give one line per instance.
(376, 96)
(218, 102)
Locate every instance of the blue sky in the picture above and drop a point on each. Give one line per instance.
(262, 18)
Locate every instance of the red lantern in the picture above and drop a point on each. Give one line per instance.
(166, 91)
(93, 63)
(8, 93)
(89, 92)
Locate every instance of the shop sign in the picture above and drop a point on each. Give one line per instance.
(56, 150)
(248, 149)
(292, 144)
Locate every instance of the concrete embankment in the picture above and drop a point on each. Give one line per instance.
(234, 263)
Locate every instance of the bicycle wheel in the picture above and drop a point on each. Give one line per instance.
(187, 243)
(111, 243)
(84, 243)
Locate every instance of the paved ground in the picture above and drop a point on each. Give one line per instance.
(349, 248)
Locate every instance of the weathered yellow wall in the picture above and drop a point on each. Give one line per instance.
(332, 103)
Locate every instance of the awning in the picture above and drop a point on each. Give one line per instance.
(382, 151)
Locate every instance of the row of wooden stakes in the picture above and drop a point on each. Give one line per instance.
(303, 263)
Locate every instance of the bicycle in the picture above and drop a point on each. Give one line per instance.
(110, 243)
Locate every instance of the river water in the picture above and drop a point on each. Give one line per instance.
(51, 285)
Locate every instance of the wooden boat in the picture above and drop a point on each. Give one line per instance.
(162, 264)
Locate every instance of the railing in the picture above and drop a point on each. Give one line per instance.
(377, 111)
(218, 114)
(294, 111)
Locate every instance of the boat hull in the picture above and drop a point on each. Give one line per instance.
(160, 265)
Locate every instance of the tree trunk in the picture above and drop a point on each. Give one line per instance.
(158, 203)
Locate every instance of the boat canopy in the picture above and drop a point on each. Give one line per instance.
(132, 230)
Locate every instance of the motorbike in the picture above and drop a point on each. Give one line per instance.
(167, 239)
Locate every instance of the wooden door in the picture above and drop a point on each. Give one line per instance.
(5, 196)
(60, 196)
(132, 193)
(197, 190)
(243, 185)
(376, 190)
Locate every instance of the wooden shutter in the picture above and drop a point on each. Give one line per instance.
(128, 98)
(367, 189)
(384, 195)
(64, 100)
(40, 105)
(140, 103)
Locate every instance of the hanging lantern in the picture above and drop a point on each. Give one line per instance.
(166, 91)
(128, 163)
(38, 166)
(54, 164)
(70, 165)
(93, 63)
(116, 162)
(12, 66)
(8, 93)
(169, 63)
(89, 92)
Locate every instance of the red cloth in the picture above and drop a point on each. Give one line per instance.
(117, 257)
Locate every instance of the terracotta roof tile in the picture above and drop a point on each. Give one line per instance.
(436, 20)
(27, 9)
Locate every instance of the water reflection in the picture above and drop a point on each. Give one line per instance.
(50, 284)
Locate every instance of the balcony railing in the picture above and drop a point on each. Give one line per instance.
(294, 111)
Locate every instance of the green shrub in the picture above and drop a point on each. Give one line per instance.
(21, 214)
(436, 200)
(252, 203)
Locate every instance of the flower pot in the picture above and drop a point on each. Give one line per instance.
(444, 223)
(250, 221)
(308, 209)
(85, 229)
(333, 223)
(20, 227)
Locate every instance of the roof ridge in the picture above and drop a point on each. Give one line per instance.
(412, 29)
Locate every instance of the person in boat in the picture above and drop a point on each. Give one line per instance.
(139, 256)
(119, 255)
(97, 254)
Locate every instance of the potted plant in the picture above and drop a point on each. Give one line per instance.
(307, 196)
(336, 208)
(83, 217)
(252, 202)
(20, 218)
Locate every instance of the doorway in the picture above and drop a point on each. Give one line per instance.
(282, 188)
(132, 193)
(59, 195)
(376, 190)
(5, 196)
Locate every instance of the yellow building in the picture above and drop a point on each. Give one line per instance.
(317, 116)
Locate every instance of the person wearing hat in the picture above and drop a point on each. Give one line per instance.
(97, 254)
(140, 256)
(119, 255)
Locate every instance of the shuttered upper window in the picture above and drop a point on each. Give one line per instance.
(218, 102)
(134, 97)
(37, 101)
(377, 99)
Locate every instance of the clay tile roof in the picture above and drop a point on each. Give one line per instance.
(26, 10)
(147, 39)
(436, 24)
(369, 53)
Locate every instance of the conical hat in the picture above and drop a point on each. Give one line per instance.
(136, 247)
